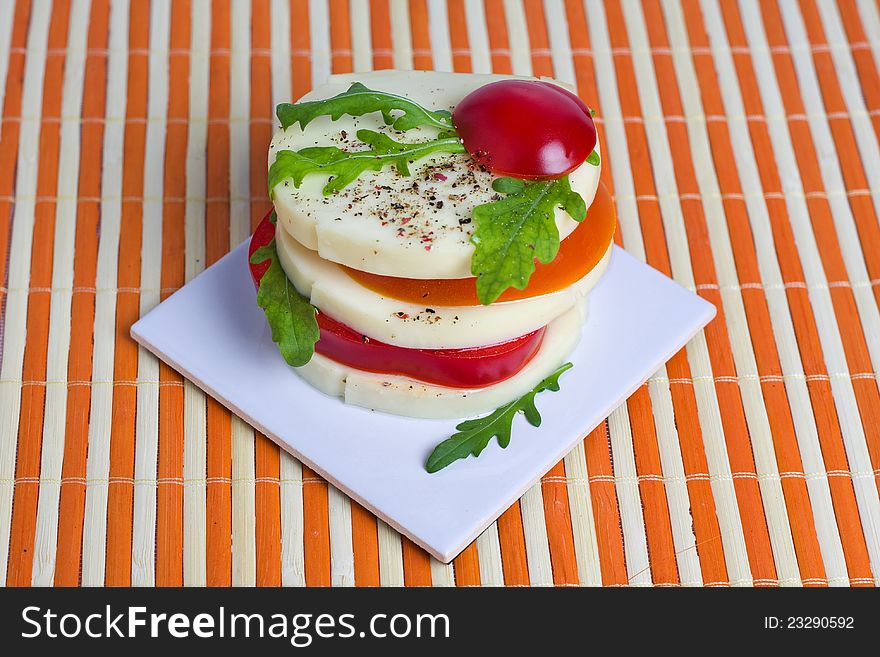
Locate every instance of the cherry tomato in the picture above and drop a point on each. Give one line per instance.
(474, 367)
(578, 254)
(573, 97)
(525, 128)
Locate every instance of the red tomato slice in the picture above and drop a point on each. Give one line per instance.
(474, 367)
(525, 128)
(457, 368)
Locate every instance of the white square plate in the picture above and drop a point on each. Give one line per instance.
(214, 333)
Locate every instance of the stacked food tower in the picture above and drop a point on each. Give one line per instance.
(434, 238)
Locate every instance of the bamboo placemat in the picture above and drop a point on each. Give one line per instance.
(741, 142)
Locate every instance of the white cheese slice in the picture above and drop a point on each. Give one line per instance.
(403, 396)
(384, 222)
(406, 324)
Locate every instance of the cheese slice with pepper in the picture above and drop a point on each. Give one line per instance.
(416, 226)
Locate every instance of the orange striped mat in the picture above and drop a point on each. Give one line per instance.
(740, 138)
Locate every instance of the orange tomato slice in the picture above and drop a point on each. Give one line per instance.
(578, 254)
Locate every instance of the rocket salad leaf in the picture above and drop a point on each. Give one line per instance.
(291, 316)
(474, 435)
(344, 167)
(512, 232)
(359, 100)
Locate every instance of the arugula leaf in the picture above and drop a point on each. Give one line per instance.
(474, 435)
(575, 206)
(511, 232)
(359, 100)
(508, 185)
(593, 158)
(345, 166)
(291, 317)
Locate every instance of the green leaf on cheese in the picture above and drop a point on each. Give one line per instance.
(290, 315)
(512, 232)
(473, 436)
(344, 167)
(508, 185)
(358, 100)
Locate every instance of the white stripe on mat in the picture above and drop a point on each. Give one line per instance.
(401, 34)
(143, 546)
(101, 409)
(531, 506)
(390, 555)
(18, 273)
(681, 521)
(195, 446)
(441, 44)
(518, 37)
(489, 557)
(442, 574)
(478, 36)
(361, 39)
(292, 558)
(7, 13)
(829, 334)
(870, 16)
(758, 422)
(244, 560)
(798, 395)
(583, 524)
(239, 123)
(826, 151)
(341, 551)
(727, 509)
(293, 570)
(55, 411)
(532, 502)
(244, 549)
(319, 28)
(626, 485)
(560, 45)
